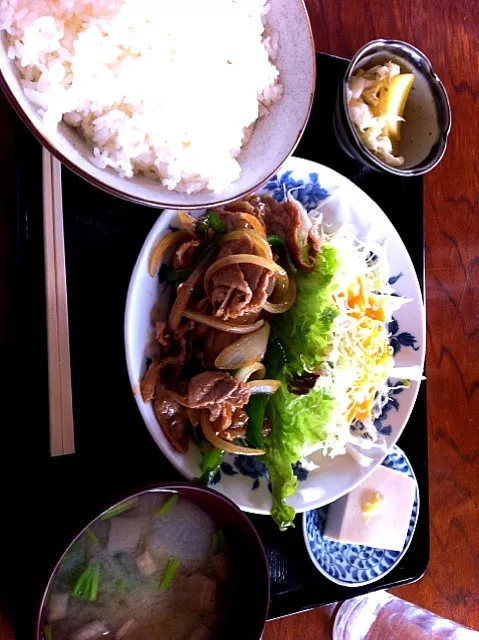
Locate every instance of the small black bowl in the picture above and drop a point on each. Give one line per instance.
(427, 115)
(248, 618)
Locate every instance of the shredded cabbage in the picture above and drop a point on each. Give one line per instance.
(364, 103)
(338, 330)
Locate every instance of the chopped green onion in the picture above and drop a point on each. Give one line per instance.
(120, 508)
(178, 275)
(219, 541)
(87, 584)
(169, 573)
(47, 632)
(276, 357)
(211, 221)
(278, 241)
(210, 464)
(94, 582)
(167, 506)
(91, 536)
(215, 222)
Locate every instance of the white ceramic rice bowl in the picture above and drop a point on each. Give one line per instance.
(274, 138)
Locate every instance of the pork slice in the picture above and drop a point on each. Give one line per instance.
(172, 418)
(232, 423)
(284, 219)
(162, 334)
(212, 389)
(187, 254)
(215, 342)
(238, 289)
(150, 380)
(229, 292)
(146, 564)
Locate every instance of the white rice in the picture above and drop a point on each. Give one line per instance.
(167, 88)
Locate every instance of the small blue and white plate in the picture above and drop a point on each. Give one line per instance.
(352, 565)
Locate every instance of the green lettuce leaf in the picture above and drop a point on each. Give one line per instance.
(299, 420)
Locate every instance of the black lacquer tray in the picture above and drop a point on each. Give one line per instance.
(115, 453)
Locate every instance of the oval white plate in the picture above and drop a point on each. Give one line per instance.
(243, 478)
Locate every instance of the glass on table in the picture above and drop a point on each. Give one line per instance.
(382, 616)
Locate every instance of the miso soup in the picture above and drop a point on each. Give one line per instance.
(153, 567)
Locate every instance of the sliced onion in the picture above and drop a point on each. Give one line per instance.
(286, 302)
(183, 295)
(162, 246)
(240, 206)
(247, 258)
(188, 222)
(246, 350)
(253, 221)
(259, 241)
(248, 318)
(220, 443)
(244, 374)
(263, 386)
(221, 325)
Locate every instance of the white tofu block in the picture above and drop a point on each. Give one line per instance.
(125, 533)
(220, 566)
(91, 631)
(57, 606)
(201, 633)
(202, 592)
(126, 629)
(386, 530)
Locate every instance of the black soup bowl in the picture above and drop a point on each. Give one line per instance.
(174, 559)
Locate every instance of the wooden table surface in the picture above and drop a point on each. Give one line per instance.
(448, 32)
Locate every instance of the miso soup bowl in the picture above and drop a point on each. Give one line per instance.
(245, 550)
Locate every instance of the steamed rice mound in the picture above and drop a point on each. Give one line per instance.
(167, 88)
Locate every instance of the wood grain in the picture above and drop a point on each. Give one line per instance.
(448, 31)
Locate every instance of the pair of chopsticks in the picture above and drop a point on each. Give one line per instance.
(59, 372)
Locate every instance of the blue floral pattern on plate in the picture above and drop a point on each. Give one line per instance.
(253, 467)
(353, 565)
(308, 193)
(400, 339)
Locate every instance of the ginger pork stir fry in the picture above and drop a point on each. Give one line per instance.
(233, 271)
(277, 340)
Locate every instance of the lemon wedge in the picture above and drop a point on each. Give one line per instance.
(394, 100)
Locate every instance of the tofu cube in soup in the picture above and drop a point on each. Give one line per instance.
(125, 533)
(201, 633)
(57, 606)
(146, 564)
(202, 591)
(126, 630)
(91, 631)
(220, 566)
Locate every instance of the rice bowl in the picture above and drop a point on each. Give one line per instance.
(103, 69)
